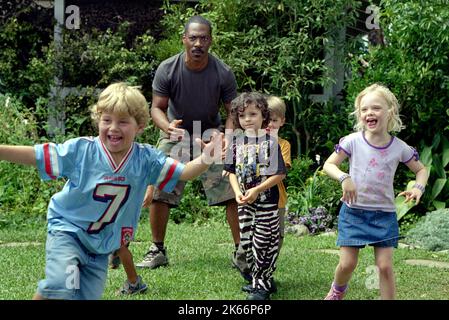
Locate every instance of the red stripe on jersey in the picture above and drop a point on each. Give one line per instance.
(169, 175)
(47, 161)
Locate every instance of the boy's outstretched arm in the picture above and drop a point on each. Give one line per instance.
(18, 154)
(212, 152)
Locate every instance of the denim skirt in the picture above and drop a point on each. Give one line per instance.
(358, 228)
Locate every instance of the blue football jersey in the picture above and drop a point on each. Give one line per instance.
(101, 200)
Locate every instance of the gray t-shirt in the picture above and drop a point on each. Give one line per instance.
(372, 169)
(195, 95)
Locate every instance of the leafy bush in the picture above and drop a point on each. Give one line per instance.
(193, 207)
(22, 194)
(306, 192)
(408, 222)
(412, 64)
(432, 231)
(23, 68)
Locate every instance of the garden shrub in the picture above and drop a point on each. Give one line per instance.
(432, 231)
(22, 194)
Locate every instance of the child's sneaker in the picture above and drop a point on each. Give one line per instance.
(258, 294)
(154, 258)
(129, 289)
(334, 294)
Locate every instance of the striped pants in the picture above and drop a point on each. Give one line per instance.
(259, 238)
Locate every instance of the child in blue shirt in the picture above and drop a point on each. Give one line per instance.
(98, 209)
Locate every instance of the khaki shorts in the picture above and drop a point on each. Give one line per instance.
(216, 187)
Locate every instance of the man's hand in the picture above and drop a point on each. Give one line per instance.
(175, 133)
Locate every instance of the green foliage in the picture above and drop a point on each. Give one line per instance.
(299, 171)
(408, 222)
(312, 192)
(193, 207)
(100, 58)
(431, 232)
(413, 65)
(436, 159)
(22, 194)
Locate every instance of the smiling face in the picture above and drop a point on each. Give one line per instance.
(374, 113)
(117, 131)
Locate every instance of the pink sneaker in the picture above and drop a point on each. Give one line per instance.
(334, 294)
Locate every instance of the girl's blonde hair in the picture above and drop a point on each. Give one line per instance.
(121, 98)
(394, 120)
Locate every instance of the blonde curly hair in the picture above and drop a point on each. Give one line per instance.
(122, 98)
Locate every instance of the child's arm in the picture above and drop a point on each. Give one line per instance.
(251, 194)
(331, 168)
(235, 186)
(212, 152)
(421, 180)
(148, 197)
(18, 154)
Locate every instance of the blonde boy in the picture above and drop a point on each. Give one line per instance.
(277, 119)
(98, 209)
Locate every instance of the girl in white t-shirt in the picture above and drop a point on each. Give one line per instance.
(367, 215)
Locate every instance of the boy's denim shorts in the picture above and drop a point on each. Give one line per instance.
(358, 228)
(217, 188)
(71, 272)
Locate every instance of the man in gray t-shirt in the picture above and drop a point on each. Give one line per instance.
(188, 89)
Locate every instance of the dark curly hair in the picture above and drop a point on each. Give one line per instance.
(239, 104)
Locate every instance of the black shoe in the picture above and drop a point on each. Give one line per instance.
(246, 275)
(258, 294)
(249, 287)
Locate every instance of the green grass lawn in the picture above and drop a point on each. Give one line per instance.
(200, 267)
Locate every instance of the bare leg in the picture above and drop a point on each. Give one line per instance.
(37, 296)
(128, 263)
(233, 220)
(159, 213)
(384, 261)
(346, 265)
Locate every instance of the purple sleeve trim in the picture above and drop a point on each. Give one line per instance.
(414, 155)
(338, 147)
